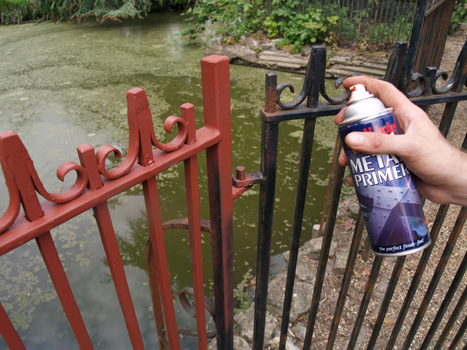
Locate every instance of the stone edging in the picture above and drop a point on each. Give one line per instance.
(260, 52)
(304, 283)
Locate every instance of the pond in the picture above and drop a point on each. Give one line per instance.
(64, 85)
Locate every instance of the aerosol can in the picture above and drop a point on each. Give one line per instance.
(386, 191)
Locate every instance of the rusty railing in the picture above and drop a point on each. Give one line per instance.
(424, 89)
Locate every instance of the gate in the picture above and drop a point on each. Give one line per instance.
(95, 186)
(425, 88)
(435, 16)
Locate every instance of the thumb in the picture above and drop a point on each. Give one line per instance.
(375, 143)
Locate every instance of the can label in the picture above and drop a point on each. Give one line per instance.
(387, 194)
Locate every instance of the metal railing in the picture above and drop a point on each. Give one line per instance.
(424, 89)
(378, 23)
(96, 185)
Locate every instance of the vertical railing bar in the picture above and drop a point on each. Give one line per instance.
(452, 320)
(151, 198)
(194, 221)
(446, 301)
(331, 178)
(378, 17)
(459, 335)
(307, 147)
(340, 23)
(161, 329)
(57, 275)
(365, 301)
(216, 102)
(112, 253)
(403, 27)
(375, 29)
(437, 276)
(414, 39)
(323, 259)
(8, 331)
(104, 222)
(396, 272)
(416, 279)
(448, 115)
(269, 145)
(271, 92)
(398, 29)
(353, 253)
(388, 4)
(355, 34)
(389, 18)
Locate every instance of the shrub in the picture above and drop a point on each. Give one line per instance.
(298, 29)
(459, 15)
(228, 17)
(13, 11)
(244, 17)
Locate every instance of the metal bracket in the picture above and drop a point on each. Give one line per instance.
(242, 181)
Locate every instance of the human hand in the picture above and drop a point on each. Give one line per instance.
(439, 168)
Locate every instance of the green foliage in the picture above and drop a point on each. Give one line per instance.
(162, 5)
(242, 297)
(104, 10)
(13, 11)
(244, 17)
(298, 29)
(459, 15)
(229, 17)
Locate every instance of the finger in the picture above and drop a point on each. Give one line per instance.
(339, 117)
(377, 143)
(342, 159)
(386, 92)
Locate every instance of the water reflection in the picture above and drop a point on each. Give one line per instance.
(64, 85)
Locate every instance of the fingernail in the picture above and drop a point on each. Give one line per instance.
(354, 139)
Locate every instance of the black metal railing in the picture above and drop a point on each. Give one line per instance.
(379, 23)
(424, 89)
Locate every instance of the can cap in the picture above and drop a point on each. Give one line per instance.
(362, 105)
(358, 93)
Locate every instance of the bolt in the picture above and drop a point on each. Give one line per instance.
(240, 173)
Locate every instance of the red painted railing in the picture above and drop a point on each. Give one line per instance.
(95, 185)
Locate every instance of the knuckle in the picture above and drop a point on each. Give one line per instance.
(378, 140)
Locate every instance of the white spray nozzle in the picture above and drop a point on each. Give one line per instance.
(357, 93)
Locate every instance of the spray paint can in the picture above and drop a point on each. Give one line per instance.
(386, 191)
